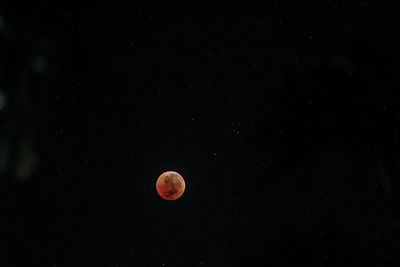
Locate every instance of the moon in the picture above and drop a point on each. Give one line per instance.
(170, 185)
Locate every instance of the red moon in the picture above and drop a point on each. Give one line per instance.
(170, 185)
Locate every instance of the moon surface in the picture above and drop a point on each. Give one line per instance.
(170, 185)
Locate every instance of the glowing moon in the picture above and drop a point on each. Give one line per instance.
(170, 185)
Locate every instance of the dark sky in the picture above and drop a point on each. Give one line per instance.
(283, 119)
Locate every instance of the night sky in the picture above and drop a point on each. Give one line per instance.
(283, 120)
